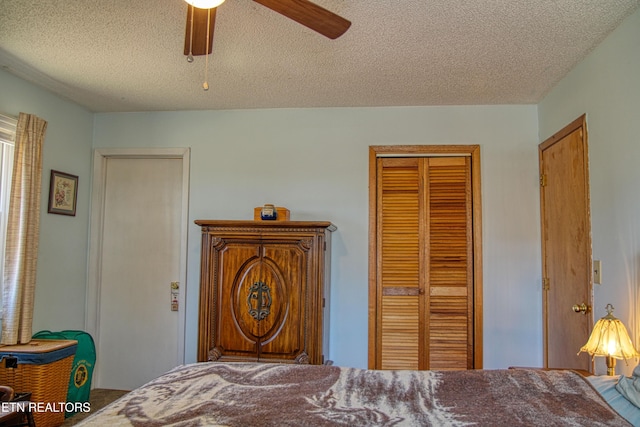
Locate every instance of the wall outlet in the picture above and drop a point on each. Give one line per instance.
(597, 272)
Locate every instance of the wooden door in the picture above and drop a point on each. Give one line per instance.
(235, 334)
(262, 289)
(288, 264)
(425, 301)
(566, 246)
(140, 255)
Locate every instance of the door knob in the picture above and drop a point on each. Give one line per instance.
(581, 308)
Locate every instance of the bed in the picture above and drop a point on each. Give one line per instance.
(253, 394)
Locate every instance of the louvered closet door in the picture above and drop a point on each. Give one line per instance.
(449, 263)
(399, 256)
(424, 265)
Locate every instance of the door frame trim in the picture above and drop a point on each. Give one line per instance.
(473, 151)
(100, 157)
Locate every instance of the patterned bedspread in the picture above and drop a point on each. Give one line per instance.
(246, 394)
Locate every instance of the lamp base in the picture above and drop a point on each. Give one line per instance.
(611, 365)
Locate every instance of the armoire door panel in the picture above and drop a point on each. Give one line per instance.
(239, 266)
(265, 293)
(284, 337)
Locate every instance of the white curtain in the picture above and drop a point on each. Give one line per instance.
(23, 227)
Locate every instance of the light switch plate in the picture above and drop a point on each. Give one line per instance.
(597, 271)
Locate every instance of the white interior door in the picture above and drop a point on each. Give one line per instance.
(139, 255)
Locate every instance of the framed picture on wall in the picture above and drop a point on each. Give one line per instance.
(63, 192)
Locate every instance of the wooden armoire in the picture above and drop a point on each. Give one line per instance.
(264, 291)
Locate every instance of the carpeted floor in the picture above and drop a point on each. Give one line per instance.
(98, 399)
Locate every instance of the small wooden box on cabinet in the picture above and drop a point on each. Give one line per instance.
(283, 214)
(264, 291)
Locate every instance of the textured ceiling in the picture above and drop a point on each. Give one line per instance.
(126, 55)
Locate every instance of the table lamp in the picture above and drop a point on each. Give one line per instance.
(609, 338)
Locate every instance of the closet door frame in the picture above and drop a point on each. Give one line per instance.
(472, 151)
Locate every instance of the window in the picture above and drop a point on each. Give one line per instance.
(7, 137)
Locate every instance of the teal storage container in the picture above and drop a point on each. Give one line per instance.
(83, 363)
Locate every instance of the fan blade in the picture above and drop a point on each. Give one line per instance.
(310, 15)
(196, 43)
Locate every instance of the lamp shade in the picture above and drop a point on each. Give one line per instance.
(205, 4)
(610, 338)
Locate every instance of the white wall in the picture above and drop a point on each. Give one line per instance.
(62, 260)
(606, 86)
(315, 162)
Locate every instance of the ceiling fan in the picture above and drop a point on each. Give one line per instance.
(200, 22)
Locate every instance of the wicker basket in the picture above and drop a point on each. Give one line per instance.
(42, 367)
